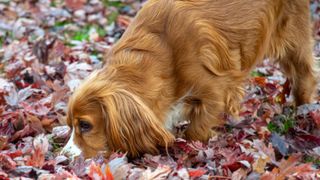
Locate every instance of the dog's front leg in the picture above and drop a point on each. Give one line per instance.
(203, 114)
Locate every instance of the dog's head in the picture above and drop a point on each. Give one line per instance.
(106, 116)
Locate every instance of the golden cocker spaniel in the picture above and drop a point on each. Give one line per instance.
(187, 60)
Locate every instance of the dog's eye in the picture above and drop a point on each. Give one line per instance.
(84, 126)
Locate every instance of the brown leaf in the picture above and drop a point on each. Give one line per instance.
(240, 174)
(260, 164)
(286, 168)
(3, 142)
(41, 49)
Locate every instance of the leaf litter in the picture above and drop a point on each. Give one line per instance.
(48, 46)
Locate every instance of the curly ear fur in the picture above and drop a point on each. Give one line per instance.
(131, 126)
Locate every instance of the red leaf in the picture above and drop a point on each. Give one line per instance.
(196, 173)
(7, 162)
(75, 4)
(108, 173)
(41, 146)
(123, 21)
(288, 168)
(15, 154)
(315, 115)
(184, 146)
(4, 176)
(95, 172)
(234, 164)
(261, 81)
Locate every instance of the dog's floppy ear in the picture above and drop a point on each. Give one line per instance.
(131, 126)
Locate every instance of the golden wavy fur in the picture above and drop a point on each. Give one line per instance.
(194, 52)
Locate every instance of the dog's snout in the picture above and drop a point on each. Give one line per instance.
(71, 149)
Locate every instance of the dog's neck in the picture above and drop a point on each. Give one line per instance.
(143, 59)
(144, 68)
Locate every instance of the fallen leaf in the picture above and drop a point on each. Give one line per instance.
(41, 146)
(75, 4)
(195, 173)
(279, 143)
(160, 173)
(7, 162)
(95, 172)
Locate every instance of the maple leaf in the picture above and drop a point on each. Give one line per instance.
(160, 173)
(58, 50)
(108, 173)
(240, 174)
(267, 152)
(235, 160)
(7, 162)
(3, 142)
(63, 174)
(119, 167)
(79, 165)
(95, 172)
(60, 133)
(184, 146)
(5, 85)
(240, 161)
(41, 145)
(4, 176)
(250, 107)
(315, 115)
(41, 49)
(288, 168)
(33, 126)
(195, 173)
(14, 154)
(260, 164)
(7, 123)
(280, 143)
(75, 4)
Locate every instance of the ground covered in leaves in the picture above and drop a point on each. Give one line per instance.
(48, 46)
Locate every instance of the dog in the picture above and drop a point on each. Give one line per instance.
(187, 60)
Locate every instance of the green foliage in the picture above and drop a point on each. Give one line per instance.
(56, 3)
(273, 127)
(257, 74)
(83, 34)
(112, 17)
(53, 4)
(61, 23)
(313, 160)
(56, 146)
(5, 1)
(117, 4)
(281, 124)
(100, 30)
(1, 41)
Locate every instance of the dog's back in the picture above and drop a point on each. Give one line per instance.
(254, 28)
